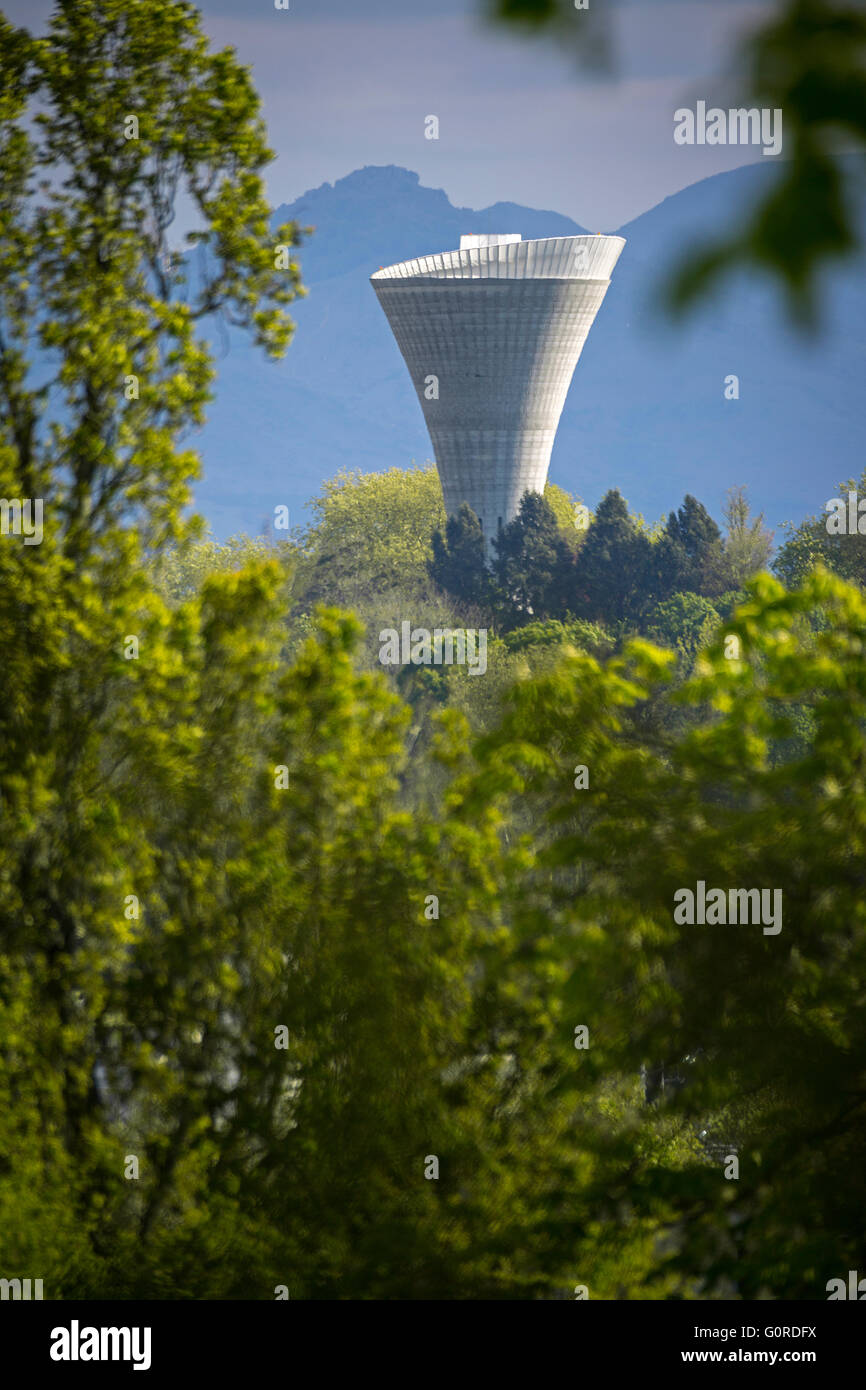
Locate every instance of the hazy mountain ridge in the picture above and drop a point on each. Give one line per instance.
(646, 411)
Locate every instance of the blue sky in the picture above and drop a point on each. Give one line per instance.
(346, 83)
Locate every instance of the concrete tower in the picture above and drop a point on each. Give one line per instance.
(491, 335)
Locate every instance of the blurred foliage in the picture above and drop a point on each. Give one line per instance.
(773, 1023)
(809, 61)
(581, 29)
(179, 571)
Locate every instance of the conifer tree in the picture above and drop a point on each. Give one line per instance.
(612, 563)
(534, 563)
(458, 564)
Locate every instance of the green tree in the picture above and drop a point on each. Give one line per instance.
(811, 543)
(109, 708)
(747, 544)
(684, 622)
(764, 1018)
(181, 569)
(370, 532)
(203, 851)
(690, 554)
(553, 633)
(612, 564)
(533, 562)
(459, 564)
(572, 517)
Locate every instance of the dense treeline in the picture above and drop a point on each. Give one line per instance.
(617, 572)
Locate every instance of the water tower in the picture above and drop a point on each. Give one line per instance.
(491, 335)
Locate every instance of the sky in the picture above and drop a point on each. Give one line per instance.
(346, 83)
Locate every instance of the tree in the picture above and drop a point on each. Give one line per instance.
(181, 569)
(533, 562)
(685, 622)
(748, 544)
(105, 295)
(113, 708)
(459, 564)
(572, 517)
(612, 564)
(691, 555)
(817, 541)
(808, 61)
(370, 533)
(551, 633)
(764, 1017)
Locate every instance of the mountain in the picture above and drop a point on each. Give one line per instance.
(646, 411)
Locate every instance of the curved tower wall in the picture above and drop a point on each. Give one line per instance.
(500, 326)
